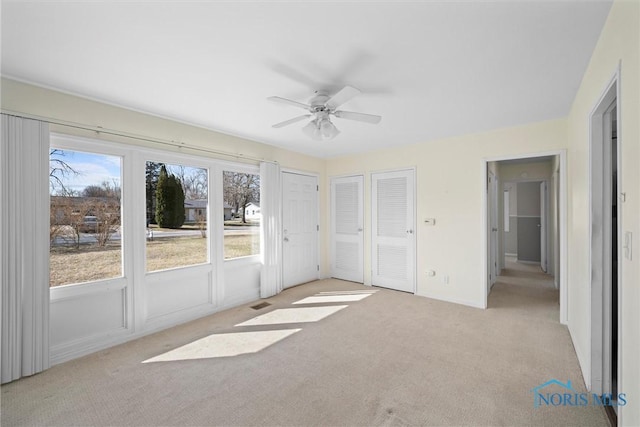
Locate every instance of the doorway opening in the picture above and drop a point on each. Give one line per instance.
(605, 248)
(525, 217)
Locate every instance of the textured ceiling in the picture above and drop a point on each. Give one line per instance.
(431, 69)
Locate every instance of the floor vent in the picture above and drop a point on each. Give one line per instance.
(261, 305)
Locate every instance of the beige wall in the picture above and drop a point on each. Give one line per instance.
(526, 171)
(619, 43)
(449, 188)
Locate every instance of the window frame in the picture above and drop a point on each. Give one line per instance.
(92, 146)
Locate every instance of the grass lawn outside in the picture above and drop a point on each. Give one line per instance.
(70, 265)
(239, 245)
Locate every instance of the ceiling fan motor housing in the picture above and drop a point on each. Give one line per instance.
(318, 102)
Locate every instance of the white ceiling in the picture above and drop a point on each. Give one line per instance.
(432, 69)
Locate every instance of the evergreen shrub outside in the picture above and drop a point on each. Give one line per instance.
(169, 201)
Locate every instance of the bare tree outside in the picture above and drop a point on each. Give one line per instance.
(84, 215)
(240, 189)
(194, 181)
(69, 214)
(59, 172)
(242, 225)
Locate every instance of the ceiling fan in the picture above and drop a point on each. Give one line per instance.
(321, 107)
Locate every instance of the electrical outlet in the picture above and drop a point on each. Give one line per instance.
(445, 279)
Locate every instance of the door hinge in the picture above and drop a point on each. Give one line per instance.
(318, 267)
(318, 227)
(317, 188)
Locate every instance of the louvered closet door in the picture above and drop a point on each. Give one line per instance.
(393, 230)
(347, 244)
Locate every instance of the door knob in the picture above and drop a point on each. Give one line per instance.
(286, 239)
(359, 229)
(409, 231)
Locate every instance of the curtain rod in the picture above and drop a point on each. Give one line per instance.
(124, 134)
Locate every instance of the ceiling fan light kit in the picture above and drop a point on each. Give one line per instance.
(321, 129)
(321, 107)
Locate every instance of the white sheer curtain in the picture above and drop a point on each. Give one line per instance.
(24, 247)
(271, 230)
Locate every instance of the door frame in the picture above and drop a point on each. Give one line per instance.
(599, 245)
(321, 226)
(562, 222)
(544, 209)
(493, 268)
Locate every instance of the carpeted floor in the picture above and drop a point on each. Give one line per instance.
(327, 353)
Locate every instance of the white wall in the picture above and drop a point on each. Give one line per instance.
(619, 44)
(450, 186)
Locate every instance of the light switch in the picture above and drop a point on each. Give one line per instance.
(430, 221)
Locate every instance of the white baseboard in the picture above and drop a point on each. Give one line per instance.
(468, 303)
(529, 262)
(585, 366)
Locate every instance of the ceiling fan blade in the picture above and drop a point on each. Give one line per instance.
(289, 102)
(345, 94)
(291, 121)
(361, 117)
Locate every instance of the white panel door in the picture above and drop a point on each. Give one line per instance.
(347, 218)
(299, 229)
(393, 230)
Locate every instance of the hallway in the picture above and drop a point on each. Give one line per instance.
(526, 289)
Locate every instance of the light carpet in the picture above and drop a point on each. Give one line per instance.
(326, 353)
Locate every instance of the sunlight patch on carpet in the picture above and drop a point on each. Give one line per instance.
(319, 298)
(224, 345)
(373, 291)
(293, 315)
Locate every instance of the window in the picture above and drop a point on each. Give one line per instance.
(241, 194)
(176, 204)
(507, 211)
(85, 235)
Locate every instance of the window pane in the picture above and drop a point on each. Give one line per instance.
(85, 234)
(177, 203)
(242, 214)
